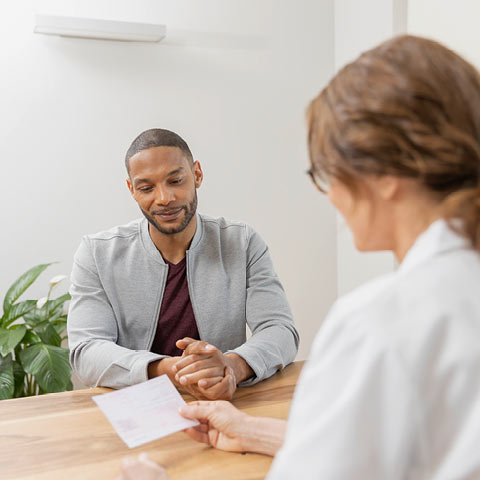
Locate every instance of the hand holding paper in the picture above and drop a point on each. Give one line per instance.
(144, 412)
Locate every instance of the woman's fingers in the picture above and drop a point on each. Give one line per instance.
(198, 410)
(143, 468)
(197, 435)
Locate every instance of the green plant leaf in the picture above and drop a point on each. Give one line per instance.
(7, 382)
(60, 324)
(57, 313)
(48, 334)
(10, 338)
(19, 377)
(21, 284)
(49, 365)
(33, 317)
(55, 303)
(18, 310)
(55, 310)
(30, 338)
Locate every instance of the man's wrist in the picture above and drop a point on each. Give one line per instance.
(162, 367)
(240, 367)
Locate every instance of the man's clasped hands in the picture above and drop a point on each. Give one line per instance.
(203, 370)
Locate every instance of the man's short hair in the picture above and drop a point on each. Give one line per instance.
(157, 137)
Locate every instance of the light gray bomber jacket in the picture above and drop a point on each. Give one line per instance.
(118, 279)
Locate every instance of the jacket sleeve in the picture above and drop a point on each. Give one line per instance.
(274, 341)
(93, 331)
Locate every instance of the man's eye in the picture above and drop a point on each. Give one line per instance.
(145, 189)
(176, 181)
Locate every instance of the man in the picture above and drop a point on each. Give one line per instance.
(172, 293)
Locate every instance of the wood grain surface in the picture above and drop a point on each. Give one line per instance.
(65, 436)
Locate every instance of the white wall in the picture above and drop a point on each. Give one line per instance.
(452, 23)
(360, 26)
(233, 78)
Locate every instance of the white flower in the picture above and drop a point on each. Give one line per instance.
(56, 280)
(41, 302)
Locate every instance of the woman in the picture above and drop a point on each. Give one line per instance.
(392, 386)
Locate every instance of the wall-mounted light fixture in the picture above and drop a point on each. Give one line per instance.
(99, 29)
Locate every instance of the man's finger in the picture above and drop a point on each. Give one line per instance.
(195, 377)
(229, 376)
(206, 383)
(184, 342)
(189, 360)
(200, 348)
(226, 387)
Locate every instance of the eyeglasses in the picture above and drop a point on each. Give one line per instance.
(321, 183)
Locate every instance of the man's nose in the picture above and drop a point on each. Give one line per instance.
(164, 196)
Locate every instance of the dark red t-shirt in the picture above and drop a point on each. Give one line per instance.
(176, 319)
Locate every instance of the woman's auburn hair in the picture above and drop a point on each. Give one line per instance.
(411, 108)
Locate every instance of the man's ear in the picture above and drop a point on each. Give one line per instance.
(130, 186)
(197, 174)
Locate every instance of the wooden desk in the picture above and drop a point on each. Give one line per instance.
(65, 436)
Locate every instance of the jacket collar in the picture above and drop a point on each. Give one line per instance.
(150, 247)
(439, 238)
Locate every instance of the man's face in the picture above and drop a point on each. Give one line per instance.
(163, 182)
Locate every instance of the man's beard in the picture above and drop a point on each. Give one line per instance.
(189, 210)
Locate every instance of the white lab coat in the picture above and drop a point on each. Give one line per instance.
(392, 386)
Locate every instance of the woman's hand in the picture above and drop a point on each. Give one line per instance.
(224, 427)
(221, 424)
(143, 468)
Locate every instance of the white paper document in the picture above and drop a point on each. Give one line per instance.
(144, 412)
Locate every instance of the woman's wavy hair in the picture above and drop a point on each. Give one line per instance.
(411, 108)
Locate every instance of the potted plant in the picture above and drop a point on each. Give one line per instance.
(32, 360)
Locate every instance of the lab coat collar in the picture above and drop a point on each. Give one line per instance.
(437, 239)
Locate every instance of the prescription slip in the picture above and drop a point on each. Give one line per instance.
(144, 412)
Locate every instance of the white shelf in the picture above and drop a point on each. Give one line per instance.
(99, 29)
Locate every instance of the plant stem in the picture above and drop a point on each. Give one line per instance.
(48, 299)
(27, 388)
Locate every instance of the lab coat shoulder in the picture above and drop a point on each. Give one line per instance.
(421, 310)
(389, 379)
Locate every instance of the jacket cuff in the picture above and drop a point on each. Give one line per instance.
(254, 360)
(133, 372)
(139, 370)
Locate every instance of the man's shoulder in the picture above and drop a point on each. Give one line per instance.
(229, 234)
(222, 223)
(226, 229)
(127, 230)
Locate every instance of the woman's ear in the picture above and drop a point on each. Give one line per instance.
(388, 186)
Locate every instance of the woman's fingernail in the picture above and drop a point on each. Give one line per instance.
(209, 347)
(183, 380)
